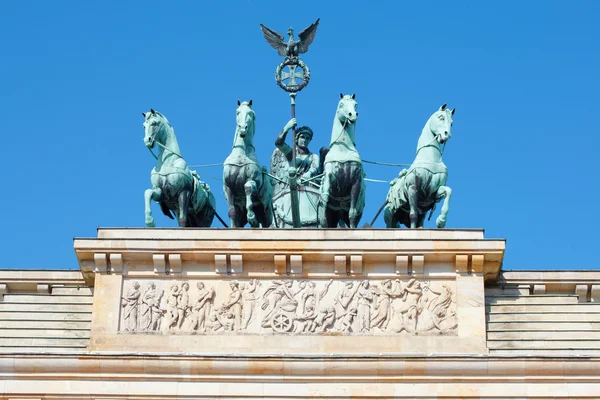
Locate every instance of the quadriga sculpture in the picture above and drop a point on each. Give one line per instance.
(247, 189)
(416, 190)
(174, 186)
(343, 188)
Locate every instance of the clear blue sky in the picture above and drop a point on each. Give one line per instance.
(523, 76)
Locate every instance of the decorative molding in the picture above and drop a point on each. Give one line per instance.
(43, 289)
(236, 264)
(401, 265)
(280, 261)
(160, 263)
(296, 264)
(3, 290)
(462, 263)
(116, 263)
(100, 263)
(477, 263)
(539, 289)
(417, 264)
(356, 264)
(595, 293)
(340, 265)
(174, 263)
(220, 263)
(582, 292)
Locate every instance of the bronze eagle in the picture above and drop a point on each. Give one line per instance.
(292, 48)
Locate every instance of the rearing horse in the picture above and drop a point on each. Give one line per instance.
(248, 192)
(343, 189)
(416, 190)
(174, 186)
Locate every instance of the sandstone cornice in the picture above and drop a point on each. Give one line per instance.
(227, 368)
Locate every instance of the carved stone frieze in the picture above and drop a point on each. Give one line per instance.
(288, 306)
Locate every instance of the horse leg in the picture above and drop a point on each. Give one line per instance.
(353, 213)
(413, 199)
(421, 220)
(151, 194)
(390, 218)
(183, 203)
(230, 198)
(326, 185)
(446, 193)
(251, 191)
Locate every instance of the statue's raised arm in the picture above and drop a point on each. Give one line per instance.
(307, 169)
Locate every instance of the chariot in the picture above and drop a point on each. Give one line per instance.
(284, 315)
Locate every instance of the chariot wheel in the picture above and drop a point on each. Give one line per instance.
(281, 323)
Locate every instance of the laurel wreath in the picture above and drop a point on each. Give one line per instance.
(292, 62)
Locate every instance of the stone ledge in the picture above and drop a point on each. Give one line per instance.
(200, 248)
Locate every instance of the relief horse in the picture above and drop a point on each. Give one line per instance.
(247, 190)
(343, 188)
(417, 189)
(174, 186)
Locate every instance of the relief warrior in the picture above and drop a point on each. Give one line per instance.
(130, 304)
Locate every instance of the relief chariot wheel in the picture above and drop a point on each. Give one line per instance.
(292, 80)
(281, 323)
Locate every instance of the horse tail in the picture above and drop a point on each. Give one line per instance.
(203, 212)
(322, 154)
(207, 214)
(165, 210)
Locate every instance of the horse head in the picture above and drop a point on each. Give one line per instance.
(245, 117)
(440, 124)
(154, 128)
(346, 111)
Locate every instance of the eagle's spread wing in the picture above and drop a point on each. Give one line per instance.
(275, 39)
(307, 36)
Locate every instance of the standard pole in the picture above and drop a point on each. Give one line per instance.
(293, 173)
(293, 102)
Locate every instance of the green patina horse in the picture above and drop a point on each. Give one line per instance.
(247, 189)
(416, 190)
(174, 186)
(343, 188)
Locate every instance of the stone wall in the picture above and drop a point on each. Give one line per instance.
(44, 312)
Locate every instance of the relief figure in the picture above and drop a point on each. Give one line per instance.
(278, 292)
(248, 301)
(344, 302)
(365, 299)
(183, 304)
(383, 299)
(172, 315)
(130, 304)
(147, 301)
(202, 308)
(231, 311)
